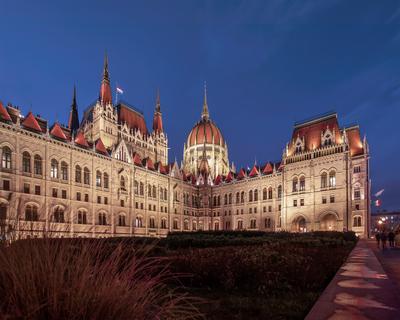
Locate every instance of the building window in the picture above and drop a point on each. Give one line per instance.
(256, 195)
(105, 180)
(237, 197)
(264, 209)
(102, 219)
(98, 199)
(26, 188)
(78, 196)
(78, 174)
(58, 215)
(136, 187)
(332, 199)
(31, 213)
(242, 197)
(82, 217)
(230, 198)
(269, 208)
(86, 197)
(295, 185)
(37, 165)
(324, 180)
(301, 202)
(98, 178)
(6, 158)
(54, 169)
(252, 223)
(141, 189)
(267, 223)
(295, 203)
(240, 224)
(37, 190)
(357, 169)
(55, 192)
(357, 194)
(6, 185)
(163, 223)
(265, 194)
(323, 200)
(86, 176)
(175, 224)
(122, 183)
(357, 221)
(302, 183)
(250, 195)
(122, 203)
(270, 193)
(64, 171)
(279, 192)
(152, 223)
(139, 222)
(105, 200)
(332, 179)
(26, 162)
(154, 192)
(216, 225)
(250, 210)
(357, 207)
(121, 220)
(64, 194)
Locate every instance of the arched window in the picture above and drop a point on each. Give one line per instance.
(141, 188)
(152, 223)
(26, 162)
(250, 195)
(270, 193)
(302, 183)
(121, 220)
(216, 225)
(98, 178)
(161, 193)
(194, 225)
(279, 192)
(102, 219)
(86, 176)
(268, 223)
(265, 194)
(37, 165)
(82, 217)
(149, 190)
(78, 174)
(295, 184)
(64, 171)
(357, 221)
(163, 223)
(136, 187)
(237, 197)
(230, 198)
(106, 180)
(54, 168)
(165, 194)
(256, 195)
(31, 213)
(324, 180)
(154, 192)
(215, 201)
(253, 224)
(186, 225)
(58, 215)
(175, 224)
(242, 197)
(219, 200)
(6, 158)
(332, 179)
(225, 199)
(239, 224)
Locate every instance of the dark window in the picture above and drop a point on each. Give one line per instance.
(294, 203)
(59, 215)
(301, 202)
(26, 188)
(122, 203)
(98, 199)
(26, 162)
(37, 190)
(55, 192)
(78, 196)
(6, 185)
(64, 194)
(31, 213)
(105, 200)
(37, 165)
(105, 180)
(323, 200)
(332, 199)
(86, 197)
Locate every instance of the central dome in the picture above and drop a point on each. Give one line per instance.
(205, 131)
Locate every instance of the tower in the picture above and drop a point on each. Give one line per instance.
(159, 137)
(73, 121)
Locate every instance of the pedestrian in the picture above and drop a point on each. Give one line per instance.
(378, 239)
(391, 239)
(383, 240)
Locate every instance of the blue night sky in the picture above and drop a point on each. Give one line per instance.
(267, 64)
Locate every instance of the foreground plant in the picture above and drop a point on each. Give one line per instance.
(87, 279)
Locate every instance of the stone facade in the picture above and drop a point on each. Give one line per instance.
(111, 177)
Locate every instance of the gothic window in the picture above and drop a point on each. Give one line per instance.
(154, 192)
(242, 197)
(295, 185)
(250, 195)
(31, 213)
(332, 179)
(240, 224)
(121, 220)
(105, 180)
(54, 169)
(102, 219)
(78, 174)
(268, 223)
(357, 221)
(270, 193)
(141, 188)
(139, 222)
(152, 223)
(357, 193)
(37, 165)
(302, 183)
(82, 217)
(256, 195)
(98, 178)
(64, 171)
(216, 225)
(225, 199)
(324, 180)
(6, 158)
(175, 224)
(86, 176)
(328, 140)
(165, 194)
(122, 183)
(58, 215)
(253, 223)
(26, 162)
(265, 194)
(163, 223)
(219, 200)
(186, 225)
(279, 192)
(230, 198)
(237, 197)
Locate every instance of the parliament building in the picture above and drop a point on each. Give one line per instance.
(108, 174)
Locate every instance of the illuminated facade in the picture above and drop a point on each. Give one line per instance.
(108, 175)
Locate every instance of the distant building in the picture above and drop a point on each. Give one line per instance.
(385, 220)
(109, 175)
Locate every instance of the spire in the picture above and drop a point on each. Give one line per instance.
(205, 115)
(157, 119)
(105, 89)
(73, 121)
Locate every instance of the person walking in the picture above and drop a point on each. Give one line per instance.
(383, 240)
(378, 239)
(391, 239)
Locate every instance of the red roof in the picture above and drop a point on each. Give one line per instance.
(356, 146)
(268, 168)
(57, 132)
(254, 171)
(100, 147)
(241, 174)
(218, 180)
(204, 132)
(229, 177)
(81, 140)
(30, 122)
(133, 119)
(161, 168)
(4, 114)
(149, 164)
(136, 160)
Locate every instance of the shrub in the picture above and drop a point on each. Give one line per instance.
(88, 279)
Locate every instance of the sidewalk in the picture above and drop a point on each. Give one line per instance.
(360, 290)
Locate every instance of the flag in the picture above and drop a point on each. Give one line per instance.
(377, 203)
(119, 90)
(379, 193)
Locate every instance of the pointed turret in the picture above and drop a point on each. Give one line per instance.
(73, 121)
(105, 88)
(157, 120)
(204, 168)
(205, 115)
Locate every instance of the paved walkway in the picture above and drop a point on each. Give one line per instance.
(361, 289)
